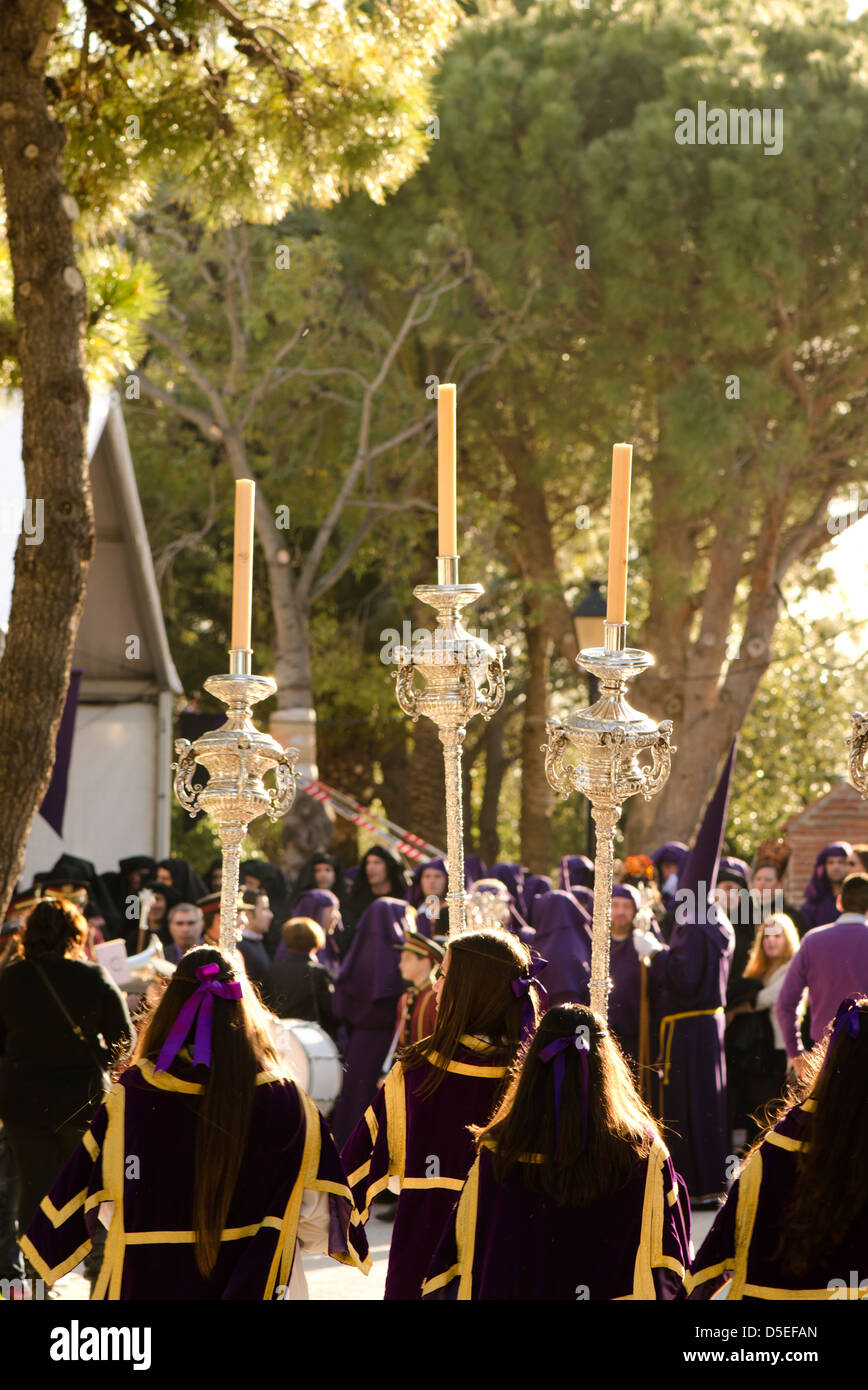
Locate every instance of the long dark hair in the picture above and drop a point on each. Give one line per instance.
(240, 1049)
(477, 997)
(361, 894)
(831, 1167)
(576, 1169)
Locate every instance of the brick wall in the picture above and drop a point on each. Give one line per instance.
(839, 815)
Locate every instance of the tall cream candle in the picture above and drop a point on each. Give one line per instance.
(242, 571)
(619, 533)
(447, 521)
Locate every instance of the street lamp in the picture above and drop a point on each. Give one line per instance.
(588, 619)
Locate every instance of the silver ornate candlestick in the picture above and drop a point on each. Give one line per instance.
(463, 676)
(236, 756)
(858, 745)
(595, 751)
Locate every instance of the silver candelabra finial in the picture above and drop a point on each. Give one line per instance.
(236, 756)
(858, 745)
(596, 751)
(464, 676)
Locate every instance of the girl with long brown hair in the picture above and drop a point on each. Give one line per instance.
(416, 1131)
(795, 1223)
(207, 1164)
(573, 1193)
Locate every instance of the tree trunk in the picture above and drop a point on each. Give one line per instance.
(427, 785)
(496, 764)
(50, 309)
(536, 794)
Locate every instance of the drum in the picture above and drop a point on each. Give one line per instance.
(311, 1058)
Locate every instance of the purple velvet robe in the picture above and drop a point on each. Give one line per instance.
(365, 1000)
(820, 905)
(423, 1140)
(509, 1242)
(289, 1149)
(625, 972)
(691, 976)
(743, 1240)
(563, 938)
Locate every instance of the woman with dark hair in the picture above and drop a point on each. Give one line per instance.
(63, 1022)
(416, 1130)
(573, 1193)
(206, 1163)
(795, 1223)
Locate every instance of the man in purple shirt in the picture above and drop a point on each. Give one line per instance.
(831, 963)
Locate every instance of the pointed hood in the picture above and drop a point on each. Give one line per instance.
(699, 871)
(563, 938)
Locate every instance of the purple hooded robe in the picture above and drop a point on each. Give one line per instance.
(820, 907)
(691, 974)
(366, 999)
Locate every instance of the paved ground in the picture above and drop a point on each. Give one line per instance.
(329, 1281)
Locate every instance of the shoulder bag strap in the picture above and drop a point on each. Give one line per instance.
(66, 1014)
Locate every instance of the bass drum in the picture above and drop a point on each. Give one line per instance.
(311, 1058)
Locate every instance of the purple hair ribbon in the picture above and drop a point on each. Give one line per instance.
(521, 988)
(848, 1019)
(556, 1051)
(198, 1008)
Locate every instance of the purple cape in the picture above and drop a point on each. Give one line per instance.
(370, 971)
(508, 1242)
(562, 936)
(424, 1141)
(474, 868)
(820, 906)
(746, 1231)
(534, 886)
(577, 871)
(512, 876)
(289, 1148)
(414, 892)
(314, 903)
(691, 975)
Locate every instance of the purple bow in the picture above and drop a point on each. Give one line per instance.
(847, 1020)
(201, 1003)
(556, 1051)
(521, 988)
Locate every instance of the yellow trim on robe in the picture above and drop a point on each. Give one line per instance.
(476, 1044)
(396, 1120)
(359, 1173)
(667, 1031)
(649, 1255)
(672, 1195)
(463, 1068)
(783, 1141)
(372, 1123)
(56, 1217)
(465, 1232)
(51, 1276)
(165, 1081)
(440, 1280)
(455, 1184)
(91, 1145)
(702, 1276)
(108, 1283)
(749, 1183)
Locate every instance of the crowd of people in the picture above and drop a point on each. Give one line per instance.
(485, 1108)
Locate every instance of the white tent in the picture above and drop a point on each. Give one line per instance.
(119, 792)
